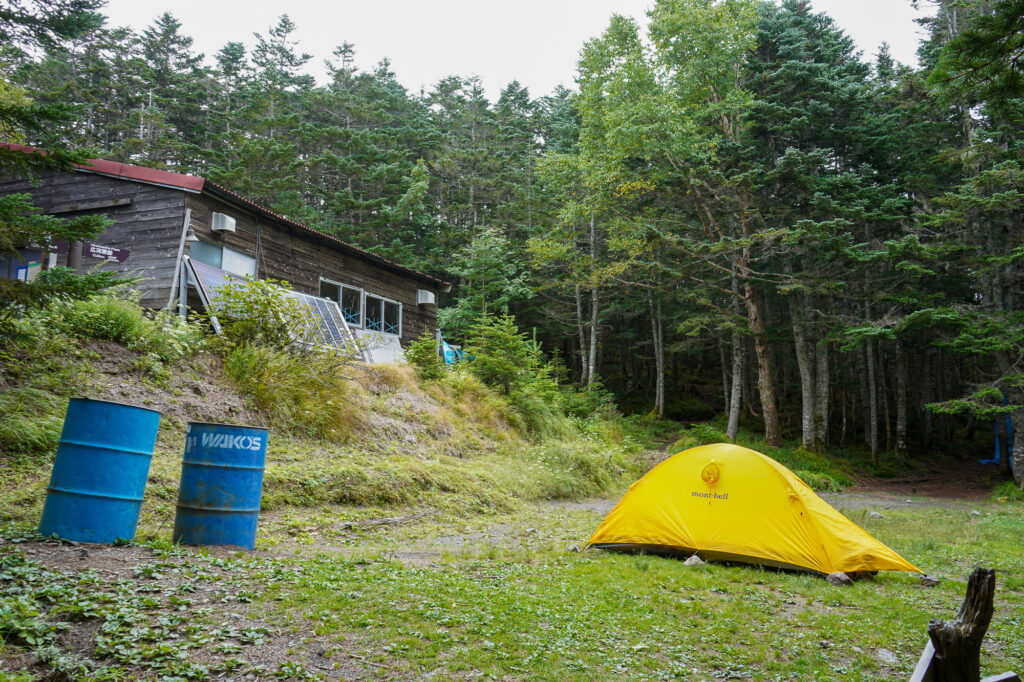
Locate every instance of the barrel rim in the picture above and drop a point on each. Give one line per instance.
(82, 398)
(234, 426)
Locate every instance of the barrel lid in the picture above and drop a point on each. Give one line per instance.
(116, 402)
(234, 426)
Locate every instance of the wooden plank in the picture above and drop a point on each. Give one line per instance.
(923, 670)
(90, 205)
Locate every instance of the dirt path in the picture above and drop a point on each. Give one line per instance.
(955, 480)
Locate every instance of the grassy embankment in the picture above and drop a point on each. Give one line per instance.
(341, 434)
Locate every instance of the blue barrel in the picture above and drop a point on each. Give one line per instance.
(221, 485)
(100, 472)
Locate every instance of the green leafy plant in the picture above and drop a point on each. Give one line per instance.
(65, 282)
(1008, 491)
(502, 357)
(304, 392)
(121, 319)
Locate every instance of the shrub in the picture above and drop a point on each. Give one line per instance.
(65, 282)
(819, 482)
(260, 312)
(103, 317)
(701, 434)
(162, 335)
(501, 355)
(588, 401)
(503, 358)
(422, 354)
(1008, 491)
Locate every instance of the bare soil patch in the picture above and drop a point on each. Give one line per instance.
(197, 391)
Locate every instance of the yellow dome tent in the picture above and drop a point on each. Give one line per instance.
(729, 503)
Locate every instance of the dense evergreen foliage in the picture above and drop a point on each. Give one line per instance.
(735, 211)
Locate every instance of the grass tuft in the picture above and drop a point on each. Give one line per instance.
(30, 422)
(300, 392)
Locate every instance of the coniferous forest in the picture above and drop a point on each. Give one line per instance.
(733, 214)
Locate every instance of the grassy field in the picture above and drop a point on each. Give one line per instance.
(410, 592)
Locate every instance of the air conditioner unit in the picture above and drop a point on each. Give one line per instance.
(424, 297)
(221, 222)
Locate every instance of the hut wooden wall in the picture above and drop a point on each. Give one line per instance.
(302, 258)
(147, 221)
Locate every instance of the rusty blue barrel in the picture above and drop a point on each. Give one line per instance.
(100, 472)
(221, 485)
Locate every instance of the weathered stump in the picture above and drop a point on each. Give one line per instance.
(954, 652)
(958, 642)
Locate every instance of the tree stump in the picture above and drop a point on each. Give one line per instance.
(958, 642)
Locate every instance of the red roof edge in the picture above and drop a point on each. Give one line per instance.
(123, 170)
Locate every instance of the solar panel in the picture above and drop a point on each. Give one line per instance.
(328, 326)
(210, 280)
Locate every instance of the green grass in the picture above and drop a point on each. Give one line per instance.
(507, 596)
(1008, 491)
(304, 474)
(518, 604)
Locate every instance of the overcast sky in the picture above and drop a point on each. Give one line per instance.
(533, 41)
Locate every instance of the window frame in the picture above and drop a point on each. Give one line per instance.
(384, 300)
(341, 295)
(222, 249)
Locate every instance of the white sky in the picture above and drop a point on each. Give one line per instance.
(533, 41)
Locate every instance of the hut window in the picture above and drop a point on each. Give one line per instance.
(205, 253)
(349, 299)
(352, 305)
(330, 290)
(383, 315)
(224, 258)
(239, 263)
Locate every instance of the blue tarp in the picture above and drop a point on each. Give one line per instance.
(451, 354)
(996, 423)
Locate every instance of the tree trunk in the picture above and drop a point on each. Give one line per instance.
(869, 348)
(886, 415)
(765, 378)
(723, 362)
(659, 355)
(821, 398)
(901, 399)
(862, 384)
(592, 355)
(805, 361)
(1017, 419)
(736, 394)
(927, 396)
(584, 362)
